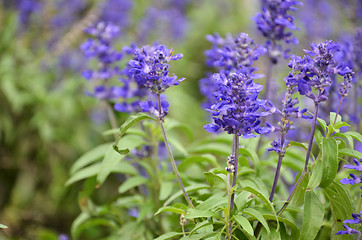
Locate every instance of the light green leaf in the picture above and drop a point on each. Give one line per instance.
(166, 190)
(323, 125)
(188, 189)
(131, 183)
(244, 223)
(295, 232)
(298, 144)
(332, 116)
(312, 216)
(298, 198)
(350, 152)
(170, 209)
(90, 157)
(317, 174)
(260, 195)
(196, 213)
(208, 158)
(257, 215)
(127, 143)
(214, 148)
(171, 124)
(330, 161)
(212, 202)
(132, 120)
(3, 226)
(86, 172)
(168, 235)
(212, 177)
(252, 155)
(110, 160)
(355, 135)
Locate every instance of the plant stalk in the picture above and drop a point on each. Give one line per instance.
(173, 163)
(339, 107)
(277, 171)
(311, 137)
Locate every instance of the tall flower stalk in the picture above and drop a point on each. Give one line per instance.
(149, 68)
(317, 69)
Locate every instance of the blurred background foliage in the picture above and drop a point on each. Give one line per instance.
(46, 120)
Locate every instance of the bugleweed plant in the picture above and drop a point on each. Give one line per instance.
(281, 123)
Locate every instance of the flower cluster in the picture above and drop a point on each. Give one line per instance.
(26, 9)
(317, 69)
(150, 69)
(229, 55)
(273, 23)
(238, 108)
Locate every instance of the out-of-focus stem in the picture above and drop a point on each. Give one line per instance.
(236, 163)
(311, 137)
(111, 117)
(277, 171)
(173, 163)
(268, 79)
(339, 107)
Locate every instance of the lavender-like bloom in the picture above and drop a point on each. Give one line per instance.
(117, 12)
(317, 69)
(150, 68)
(26, 9)
(348, 231)
(238, 110)
(274, 21)
(233, 55)
(355, 179)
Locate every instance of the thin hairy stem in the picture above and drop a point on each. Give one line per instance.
(173, 163)
(236, 163)
(277, 171)
(311, 137)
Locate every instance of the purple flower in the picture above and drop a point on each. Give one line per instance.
(237, 109)
(117, 12)
(150, 67)
(317, 70)
(274, 21)
(276, 147)
(348, 231)
(26, 9)
(355, 179)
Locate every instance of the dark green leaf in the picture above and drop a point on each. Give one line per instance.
(195, 213)
(312, 216)
(252, 155)
(213, 202)
(298, 198)
(131, 183)
(330, 161)
(212, 177)
(295, 232)
(86, 172)
(317, 174)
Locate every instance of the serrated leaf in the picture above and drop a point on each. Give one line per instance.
(131, 183)
(350, 152)
(257, 215)
(110, 160)
(330, 161)
(168, 235)
(90, 157)
(245, 224)
(170, 209)
(312, 216)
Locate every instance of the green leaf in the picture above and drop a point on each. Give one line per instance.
(86, 172)
(332, 116)
(355, 135)
(317, 174)
(214, 148)
(166, 190)
(111, 131)
(330, 161)
(312, 216)
(90, 157)
(298, 198)
(212, 177)
(341, 205)
(188, 189)
(244, 223)
(252, 155)
(350, 152)
(295, 232)
(265, 199)
(170, 209)
(208, 158)
(171, 124)
(124, 144)
(3, 226)
(131, 183)
(125, 168)
(213, 202)
(132, 120)
(298, 144)
(257, 215)
(202, 227)
(323, 125)
(110, 160)
(196, 213)
(76, 225)
(169, 235)
(177, 145)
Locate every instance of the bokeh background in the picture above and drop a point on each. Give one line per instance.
(46, 119)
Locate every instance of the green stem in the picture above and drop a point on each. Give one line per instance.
(339, 107)
(173, 163)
